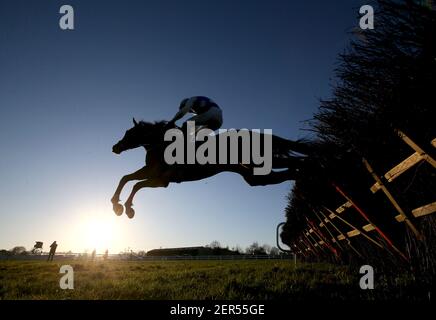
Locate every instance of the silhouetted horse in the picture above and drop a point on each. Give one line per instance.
(157, 173)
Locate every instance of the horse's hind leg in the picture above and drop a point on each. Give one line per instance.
(151, 183)
(141, 174)
(272, 178)
(287, 162)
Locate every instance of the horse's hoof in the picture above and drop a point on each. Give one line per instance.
(118, 209)
(130, 212)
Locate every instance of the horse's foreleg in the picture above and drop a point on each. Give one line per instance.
(141, 174)
(151, 183)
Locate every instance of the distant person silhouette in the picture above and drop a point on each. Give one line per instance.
(106, 254)
(93, 255)
(207, 113)
(52, 252)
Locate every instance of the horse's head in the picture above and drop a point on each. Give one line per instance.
(142, 134)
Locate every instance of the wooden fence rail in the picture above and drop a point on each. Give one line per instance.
(311, 241)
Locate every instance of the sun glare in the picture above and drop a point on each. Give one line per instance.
(98, 232)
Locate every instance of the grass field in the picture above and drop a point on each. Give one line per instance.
(196, 280)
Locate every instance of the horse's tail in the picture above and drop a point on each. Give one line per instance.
(285, 147)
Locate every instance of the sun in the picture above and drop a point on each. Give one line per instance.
(99, 233)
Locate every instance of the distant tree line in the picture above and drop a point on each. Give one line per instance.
(253, 249)
(214, 248)
(15, 251)
(22, 251)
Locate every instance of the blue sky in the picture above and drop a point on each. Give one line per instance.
(67, 96)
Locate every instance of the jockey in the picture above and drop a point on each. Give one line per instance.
(207, 113)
